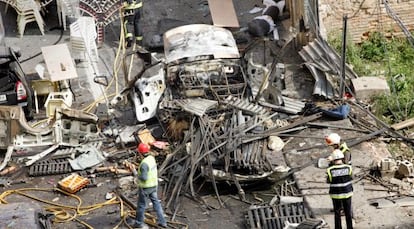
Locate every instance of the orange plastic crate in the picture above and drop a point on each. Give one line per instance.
(73, 183)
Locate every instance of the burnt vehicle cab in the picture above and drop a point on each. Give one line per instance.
(200, 61)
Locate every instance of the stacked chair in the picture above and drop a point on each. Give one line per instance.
(67, 8)
(83, 39)
(28, 11)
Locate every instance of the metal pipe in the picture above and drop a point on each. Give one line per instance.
(342, 85)
(337, 127)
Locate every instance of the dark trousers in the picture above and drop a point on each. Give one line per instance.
(132, 23)
(346, 204)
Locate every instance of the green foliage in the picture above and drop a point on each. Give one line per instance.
(374, 48)
(395, 58)
(353, 53)
(395, 107)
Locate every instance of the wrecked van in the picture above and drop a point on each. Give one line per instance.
(200, 61)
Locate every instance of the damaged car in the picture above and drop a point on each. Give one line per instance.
(200, 61)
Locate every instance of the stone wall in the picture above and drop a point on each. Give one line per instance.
(365, 16)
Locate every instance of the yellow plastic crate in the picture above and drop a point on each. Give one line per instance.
(73, 183)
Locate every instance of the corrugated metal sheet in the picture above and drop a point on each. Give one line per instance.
(322, 87)
(294, 105)
(197, 106)
(290, 106)
(325, 66)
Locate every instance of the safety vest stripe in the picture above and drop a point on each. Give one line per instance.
(339, 166)
(341, 185)
(329, 175)
(341, 195)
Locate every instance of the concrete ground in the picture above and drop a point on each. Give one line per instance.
(310, 180)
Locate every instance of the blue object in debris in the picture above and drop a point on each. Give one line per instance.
(340, 112)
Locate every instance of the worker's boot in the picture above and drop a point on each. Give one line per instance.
(138, 40)
(132, 223)
(129, 41)
(143, 226)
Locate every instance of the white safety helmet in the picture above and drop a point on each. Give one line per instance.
(337, 155)
(333, 139)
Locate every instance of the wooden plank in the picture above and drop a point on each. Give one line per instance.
(223, 13)
(403, 124)
(59, 62)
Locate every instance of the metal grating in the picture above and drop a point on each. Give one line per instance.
(244, 104)
(50, 167)
(274, 217)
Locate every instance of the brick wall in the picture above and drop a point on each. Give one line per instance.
(365, 16)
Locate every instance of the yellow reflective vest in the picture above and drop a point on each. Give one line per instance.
(152, 176)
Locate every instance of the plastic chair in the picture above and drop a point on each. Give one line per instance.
(42, 88)
(83, 39)
(28, 11)
(67, 8)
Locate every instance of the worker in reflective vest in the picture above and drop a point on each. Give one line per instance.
(132, 15)
(147, 185)
(340, 189)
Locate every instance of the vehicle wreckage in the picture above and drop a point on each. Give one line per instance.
(209, 99)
